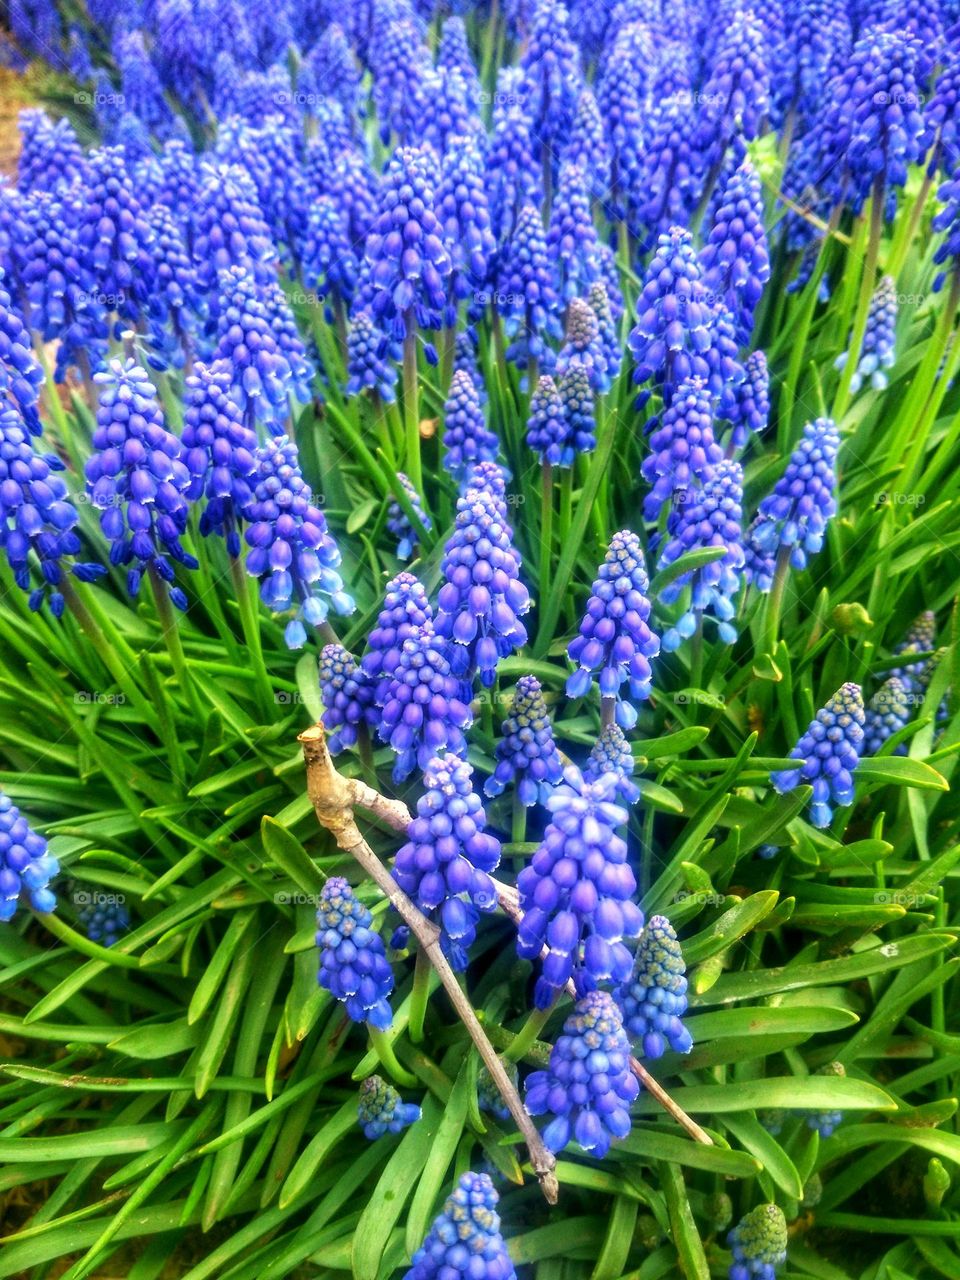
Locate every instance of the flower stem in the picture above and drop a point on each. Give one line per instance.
(171, 637)
(867, 284)
(546, 528)
(529, 1032)
(251, 632)
(518, 820)
(419, 996)
(382, 1046)
(771, 622)
(411, 404)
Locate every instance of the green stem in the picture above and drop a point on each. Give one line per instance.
(930, 387)
(382, 1046)
(546, 528)
(909, 229)
(696, 653)
(171, 636)
(518, 820)
(411, 404)
(249, 623)
(771, 622)
(867, 285)
(419, 996)
(113, 656)
(528, 1033)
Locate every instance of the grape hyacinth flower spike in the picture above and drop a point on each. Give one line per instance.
(547, 426)
(353, 961)
(37, 518)
(614, 637)
(369, 363)
(828, 752)
(878, 349)
(347, 694)
(709, 517)
(446, 863)
(103, 918)
(381, 1109)
(526, 753)
(527, 296)
(795, 516)
(464, 1242)
(482, 598)
(582, 348)
(735, 260)
(399, 523)
(138, 480)
(747, 407)
(24, 863)
(887, 712)
(588, 1086)
(466, 438)
(611, 754)
(423, 710)
(759, 1244)
(404, 610)
(220, 452)
(921, 637)
(654, 999)
(824, 1122)
(577, 891)
(682, 448)
(292, 553)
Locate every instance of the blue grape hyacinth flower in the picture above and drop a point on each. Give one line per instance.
(348, 697)
(611, 754)
(576, 396)
(37, 517)
(115, 239)
(464, 216)
(887, 712)
(747, 408)
(878, 352)
(370, 366)
(707, 517)
(577, 891)
(464, 1242)
(423, 708)
(795, 516)
(736, 94)
(381, 1109)
(654, 999)
(25, 863)
(920, 637)
(20, 373)
(446, 863)
(683, 449)
(137, 479)
(409, 264)
(292, 553)
(404, 610)
(547, 424)
(527, 755)
(735, 259)
(526, 294)
(582, 348)
(353, 960)
(588, 1086)
(466, 437)
(824, 1122)
(482, 598)
(829, 752)
(399, 523)
(759, 1244)
(103, 919)
(571, 235)
(614, 638)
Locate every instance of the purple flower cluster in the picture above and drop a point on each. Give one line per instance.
(423, 708)
(759, 1244)
(400, 524)
(482, 598)
(445, 864)
(611, 754)
(654, 999)
(887, 712)
(577, 892)
(735, 260)
(682, 448)
(347, 697)
(708, 517)
(464, 1242)
(381, 1109)
(466, 437)
(878, 351)
(828, 753)
(219, 450)
(797, 513)
(291, 551)
(404, 611)
(526, 753)
(137, 479)
(614, 637)
(24, 863)
(588, 1086)
(353, 961)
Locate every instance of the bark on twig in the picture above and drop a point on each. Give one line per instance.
(333, 798)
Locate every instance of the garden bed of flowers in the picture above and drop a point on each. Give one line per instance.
(479, 536)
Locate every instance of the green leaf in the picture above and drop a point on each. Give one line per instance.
(750, 1133)
(316, 1151)
(902, 771)
(438, 1161)
(652, 1143)
(799, 1093)
(730, 927)
(288, 853)
(686, 1237)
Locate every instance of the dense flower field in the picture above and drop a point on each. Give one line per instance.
(478, 640)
